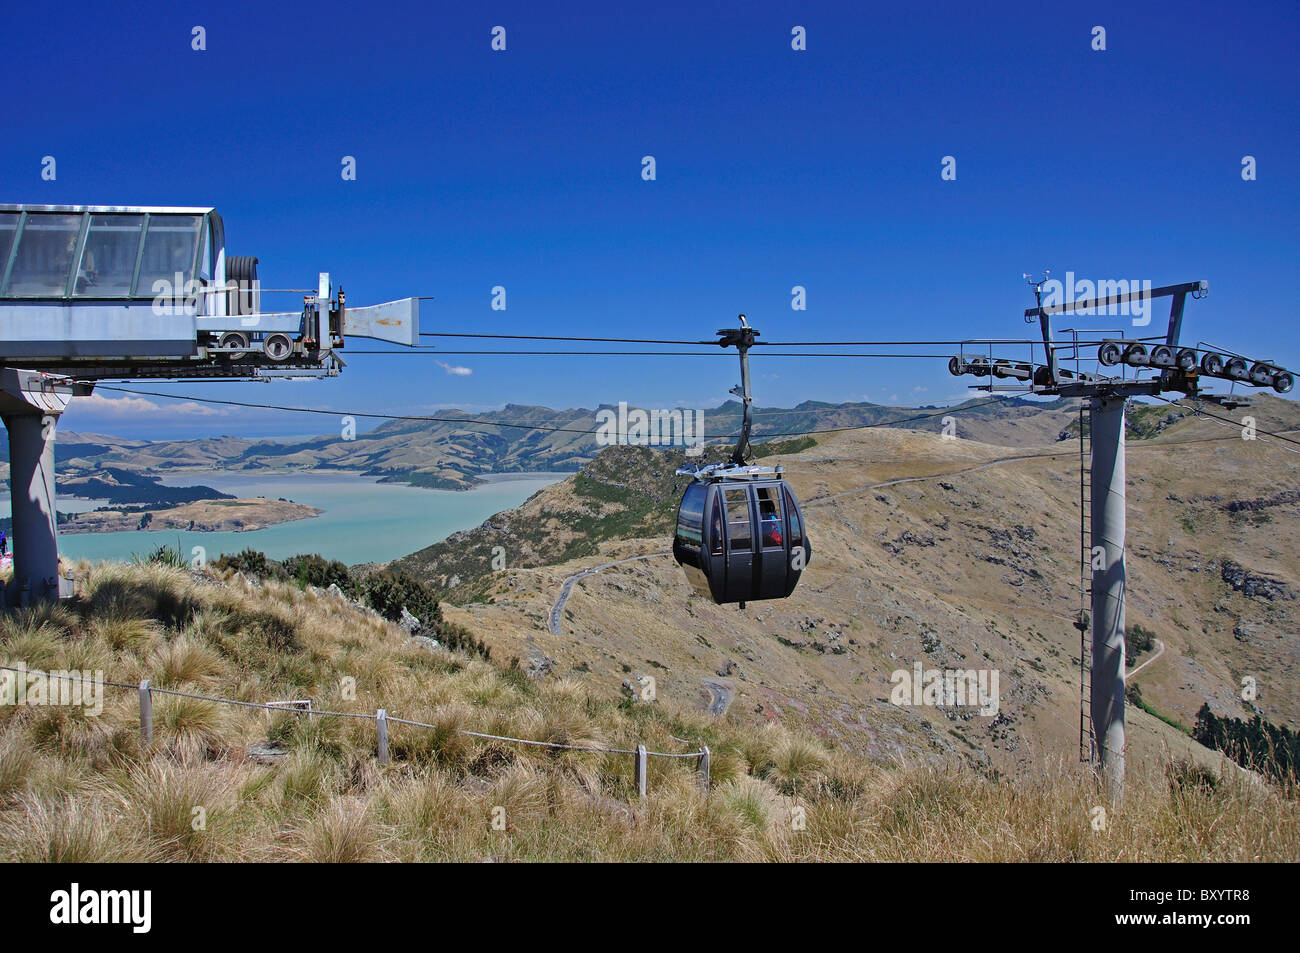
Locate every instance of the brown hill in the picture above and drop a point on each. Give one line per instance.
(972, 563)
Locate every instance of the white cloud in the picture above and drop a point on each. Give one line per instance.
(126, 408)
(455, 369)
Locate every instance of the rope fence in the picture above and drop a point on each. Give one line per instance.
(382, 719)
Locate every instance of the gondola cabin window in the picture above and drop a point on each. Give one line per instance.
(769, 516)
(716, 538)
(796, 525)
(690, 517)
(738, 518)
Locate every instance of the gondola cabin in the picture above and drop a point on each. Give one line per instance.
(741, 540)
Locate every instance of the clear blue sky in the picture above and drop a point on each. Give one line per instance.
(775, 168)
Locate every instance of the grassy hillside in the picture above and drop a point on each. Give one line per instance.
(624, 493)
(77, 788)
(972, 560)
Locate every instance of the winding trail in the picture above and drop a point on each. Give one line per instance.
(722, 693)
(1159, 652)
(566, 589)
(819, 500)
(557, 610)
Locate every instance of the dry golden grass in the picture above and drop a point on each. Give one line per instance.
(77, 788)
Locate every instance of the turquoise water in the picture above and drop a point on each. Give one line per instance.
(364, 521)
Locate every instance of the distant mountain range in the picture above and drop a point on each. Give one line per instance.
(453, 450)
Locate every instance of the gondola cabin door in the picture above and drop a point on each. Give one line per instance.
(740, 543)
(773, 544)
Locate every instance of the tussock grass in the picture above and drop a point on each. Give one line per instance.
(185, 663)
(121, 631)
(15, 766)
(181, 812)
(343, 832)
(79, 788)
(55, 830)
(190, 729)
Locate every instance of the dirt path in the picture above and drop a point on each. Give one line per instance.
(722, 693)
(1160, 650)
(819, 500)
(557, 610)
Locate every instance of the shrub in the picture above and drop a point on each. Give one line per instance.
(389, 591)
(1136, 641)
(250, 561)
(317, 571)
(1256, 744)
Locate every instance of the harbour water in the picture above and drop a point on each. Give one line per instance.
(364, 520)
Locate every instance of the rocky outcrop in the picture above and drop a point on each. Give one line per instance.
(1255, 584)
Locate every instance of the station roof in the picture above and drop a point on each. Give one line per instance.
(111, 209)
(88, 252)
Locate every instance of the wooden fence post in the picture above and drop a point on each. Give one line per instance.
(639, 770)
(704, 767)
(146, 714)
(381, 723)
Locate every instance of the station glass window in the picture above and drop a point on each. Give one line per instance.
(45, 253)
(8, 229)
(108, 260)
(169, 247)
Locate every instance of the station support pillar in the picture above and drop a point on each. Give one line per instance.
(30, 405)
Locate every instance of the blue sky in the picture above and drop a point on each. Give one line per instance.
(775, 168)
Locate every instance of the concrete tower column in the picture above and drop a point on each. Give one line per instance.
(35, 530)
(30, 405)
(1108, 587)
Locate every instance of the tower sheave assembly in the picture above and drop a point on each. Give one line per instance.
(1168, 367)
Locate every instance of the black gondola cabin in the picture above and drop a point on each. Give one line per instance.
(741, 540)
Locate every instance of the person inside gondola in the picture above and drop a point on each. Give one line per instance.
(771, 522)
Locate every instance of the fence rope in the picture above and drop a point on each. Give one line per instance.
(353, 714)
(67, 676)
